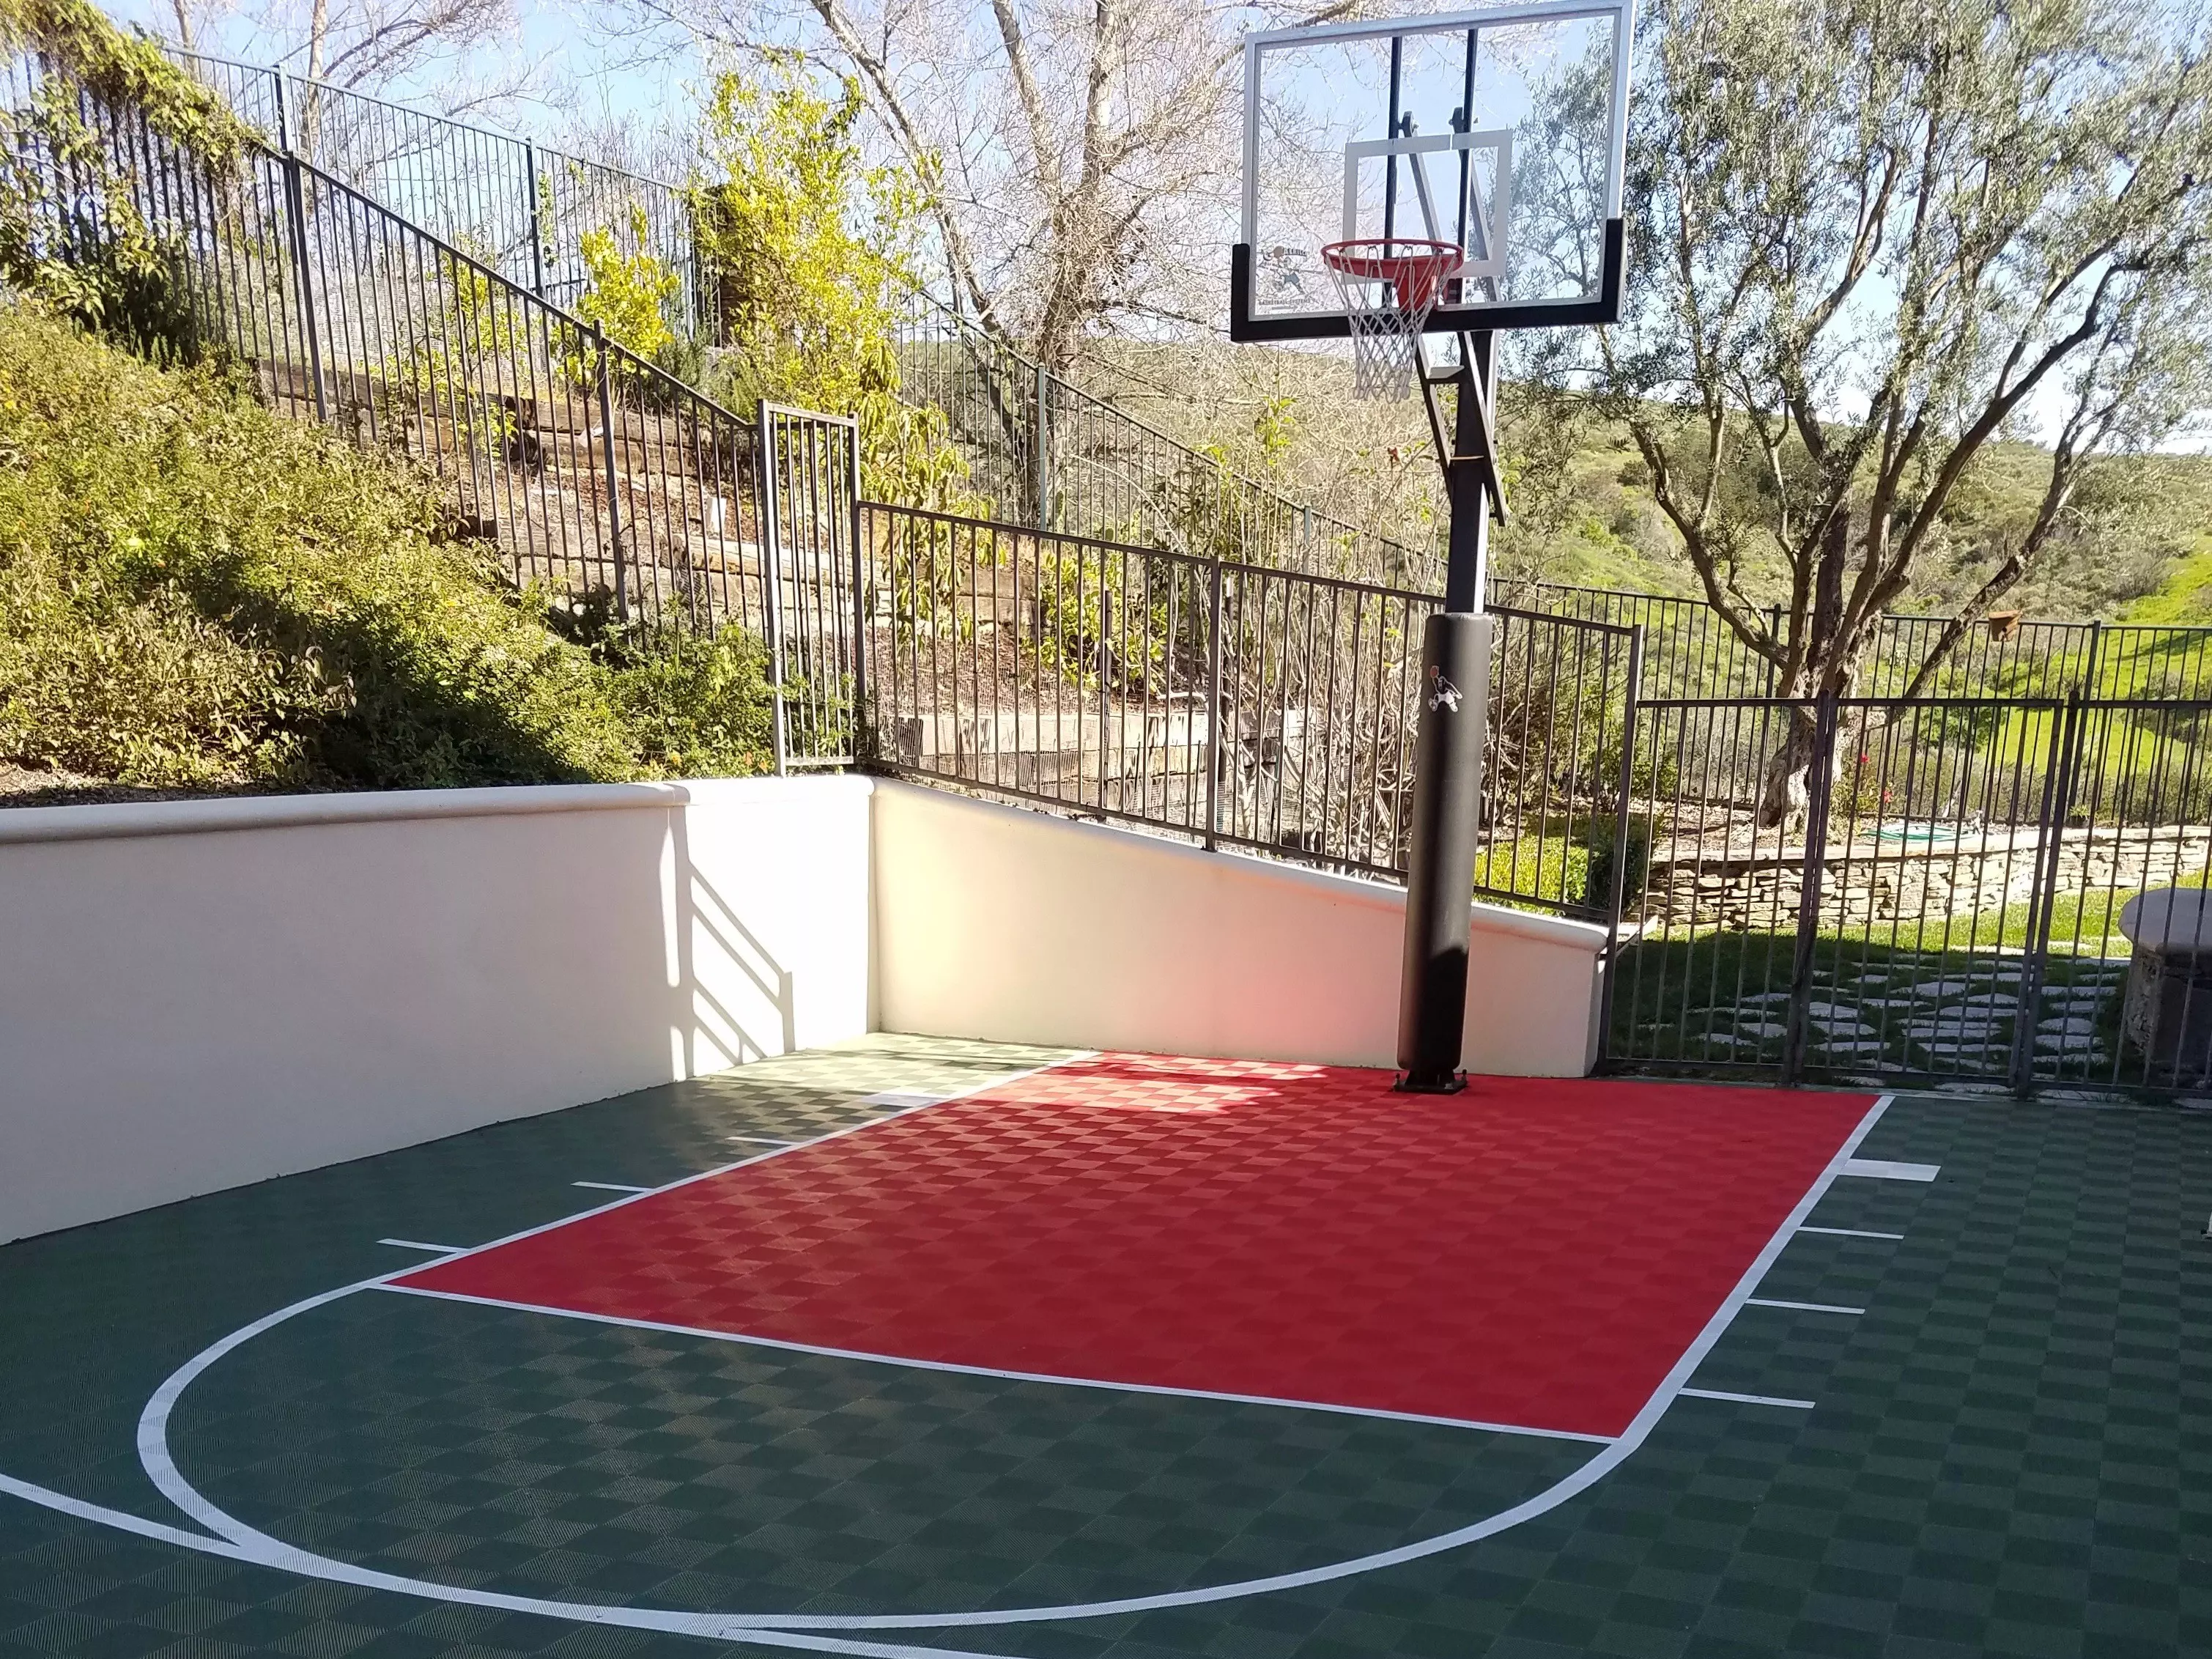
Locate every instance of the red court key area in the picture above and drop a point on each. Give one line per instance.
(1530, 1252)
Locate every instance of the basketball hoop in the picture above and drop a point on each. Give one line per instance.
(1389, 285)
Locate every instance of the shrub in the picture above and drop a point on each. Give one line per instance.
(1635, 863)
(195, 593)
(88, 250)
(697, 706)
(1549, 867)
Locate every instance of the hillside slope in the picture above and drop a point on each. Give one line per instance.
(195, 594)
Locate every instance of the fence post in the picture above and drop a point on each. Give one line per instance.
(1213, 708)
(2089, 681)
(296, 214)
(2043, 899)
(537, 231)
(771, 543)
(860, 588)
(1820, 786)
(1105, 696)
(1040, 447)
(607, 457)
(1617, 897)
(1774, 632)
(284, 118)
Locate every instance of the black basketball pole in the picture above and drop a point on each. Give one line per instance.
(1448, 749)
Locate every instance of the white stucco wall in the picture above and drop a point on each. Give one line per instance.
(1007, 925)
(195, 995)
(198, 994)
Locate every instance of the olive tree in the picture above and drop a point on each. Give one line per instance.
(1868, 240)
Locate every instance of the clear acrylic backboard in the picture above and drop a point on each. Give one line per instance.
(1503, 129)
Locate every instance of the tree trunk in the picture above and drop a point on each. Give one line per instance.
(1785, 785)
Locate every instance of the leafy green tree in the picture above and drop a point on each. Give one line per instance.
(1867, 240)
(626, 293)
(809, 246)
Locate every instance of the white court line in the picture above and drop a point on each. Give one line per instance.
(258, 1549)
(780, 1146)
(609, 1187)
(777, 1629)
(1852, 1232)
(764, 1140)
(1800, 1307)
(902, 1360)
(1746, 1399)
(1882, 1169)
(345, 1572)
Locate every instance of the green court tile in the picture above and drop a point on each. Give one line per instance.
(2008, 1454)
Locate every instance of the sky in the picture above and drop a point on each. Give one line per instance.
(565, 59)
(576, 69)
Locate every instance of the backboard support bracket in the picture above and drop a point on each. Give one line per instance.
(1459, 455)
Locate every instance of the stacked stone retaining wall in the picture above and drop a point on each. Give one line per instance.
(1701, 886)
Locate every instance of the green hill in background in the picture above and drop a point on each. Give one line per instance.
(2183, 594)
(2138, 539)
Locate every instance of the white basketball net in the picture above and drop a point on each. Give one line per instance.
(1388, 313)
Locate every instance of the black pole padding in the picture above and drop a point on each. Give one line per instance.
(1440, 873)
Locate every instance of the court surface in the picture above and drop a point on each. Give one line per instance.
(911, 1346)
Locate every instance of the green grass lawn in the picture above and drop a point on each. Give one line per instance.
(1916, 1003)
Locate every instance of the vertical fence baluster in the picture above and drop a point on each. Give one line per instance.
(296, 214)
(859, 746)
(1821, 787)
(1213, 721)
(1616, 886)
(771, 546)
(607, 458)
(2043, 901)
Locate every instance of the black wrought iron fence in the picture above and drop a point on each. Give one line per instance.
(1041, 451)
(521, 206)
(1267, 710)
(601, 478)
(1688, 650)
(634, 503)
(1046, 454)
(1948, 899)
(1691, 652)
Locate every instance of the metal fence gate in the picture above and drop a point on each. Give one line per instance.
(810, 532)
(1941, 902)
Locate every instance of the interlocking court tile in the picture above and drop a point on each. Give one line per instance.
(1529, 1253)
